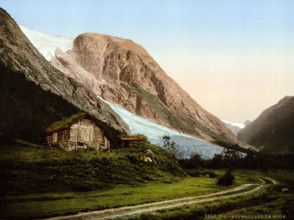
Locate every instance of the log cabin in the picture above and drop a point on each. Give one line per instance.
(80, 131)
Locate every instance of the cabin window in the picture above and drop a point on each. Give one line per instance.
(80, 144)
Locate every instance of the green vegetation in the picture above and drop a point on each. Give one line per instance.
(279, 201)
(43, 169)
(271, 200)
(138, 136)
(273, 130)
(48, 204)
(227, 179)
(169, 146)
(47, 182)
(232, 159)
(25, 112)
(66, 121)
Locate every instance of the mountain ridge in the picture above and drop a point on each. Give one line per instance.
(120, 71)
(273, 130)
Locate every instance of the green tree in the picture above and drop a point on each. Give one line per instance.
(166, 141)
(227, 179)
(231, 158)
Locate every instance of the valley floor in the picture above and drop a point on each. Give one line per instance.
(39, 205)
(37, 183)
(127, 211)
(272, 200)
(185, 198)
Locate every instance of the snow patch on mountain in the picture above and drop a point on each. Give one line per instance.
(235, 127)
(186, 146)
(47, 44)
(240, 125)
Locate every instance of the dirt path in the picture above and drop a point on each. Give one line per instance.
(243, 190)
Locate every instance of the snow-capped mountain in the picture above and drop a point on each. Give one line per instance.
(47, 44)
(240, 125)
(186, 146)
(122, 72)
(235, 127)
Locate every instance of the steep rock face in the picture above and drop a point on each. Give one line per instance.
(122, 72)
(18, 55)
(273, 130)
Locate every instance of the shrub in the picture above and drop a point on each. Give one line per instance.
(194, 173)
(212, 174)
(226, 180)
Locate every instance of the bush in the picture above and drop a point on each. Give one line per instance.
(226, 180)
(212, 174)
(194, 173)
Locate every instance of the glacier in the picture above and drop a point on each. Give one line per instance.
(186, 146)
(47, 44)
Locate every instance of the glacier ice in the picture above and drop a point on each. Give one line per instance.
(186, 146)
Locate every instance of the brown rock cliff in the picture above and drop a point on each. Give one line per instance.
(122, 72)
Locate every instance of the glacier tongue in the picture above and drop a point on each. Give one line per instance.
(186, 146)
(47, 44)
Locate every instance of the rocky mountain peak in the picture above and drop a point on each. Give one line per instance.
(122, 72)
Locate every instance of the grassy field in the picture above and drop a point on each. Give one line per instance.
(38, 182)
(48, 204)
(51, 204)
(30, 168)
(275, 202)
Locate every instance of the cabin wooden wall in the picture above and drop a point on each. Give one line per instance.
(81, 135)
(58, 137)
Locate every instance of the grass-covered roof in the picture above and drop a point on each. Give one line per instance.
(65, 123)
(140, 137)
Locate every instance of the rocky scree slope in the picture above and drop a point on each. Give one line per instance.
(122, 72)
(273, 130)
(18, 55)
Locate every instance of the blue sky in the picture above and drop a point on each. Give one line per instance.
(234, 57)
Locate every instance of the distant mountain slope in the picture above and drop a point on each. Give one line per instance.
(235, 127)
(273, 130)
(122, 72)
(31, 86)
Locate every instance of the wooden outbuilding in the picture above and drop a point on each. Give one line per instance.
(130, 140)
(80, 131)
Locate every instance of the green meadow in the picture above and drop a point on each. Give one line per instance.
(39, 182)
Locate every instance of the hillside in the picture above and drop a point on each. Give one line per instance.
(51, 170)
(273, 130)
(123, 73)
(34, 94)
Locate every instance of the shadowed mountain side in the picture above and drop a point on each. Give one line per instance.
(273, 130)
(24, 68)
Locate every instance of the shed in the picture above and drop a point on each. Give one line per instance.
(129, 140)
(80, 131)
